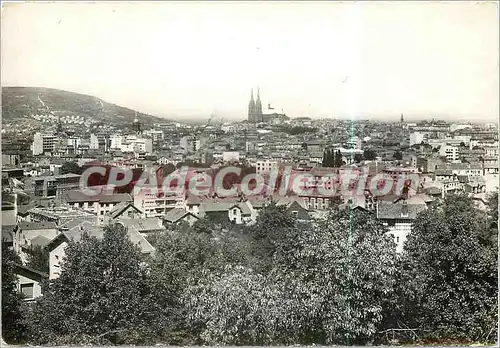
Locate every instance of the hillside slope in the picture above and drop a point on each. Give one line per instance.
(21, 102)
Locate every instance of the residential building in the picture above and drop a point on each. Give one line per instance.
(99, 204)
(43, 143)
(398, 217)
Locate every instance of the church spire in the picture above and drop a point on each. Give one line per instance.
(258, 107)
(251, 108)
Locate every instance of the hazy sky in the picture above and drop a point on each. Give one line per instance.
(191, 59)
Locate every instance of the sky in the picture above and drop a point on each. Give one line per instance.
(311, 59)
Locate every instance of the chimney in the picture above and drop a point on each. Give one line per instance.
(404, 209)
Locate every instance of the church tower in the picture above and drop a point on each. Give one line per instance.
(136, 126)
(251, 109)
(59, 129)
(258, 108)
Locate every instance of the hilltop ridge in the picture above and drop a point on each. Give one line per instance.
(26, 102)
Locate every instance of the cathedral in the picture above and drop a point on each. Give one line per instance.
(256, 115)
(255, 109)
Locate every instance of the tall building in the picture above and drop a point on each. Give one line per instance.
(43, 143)
(59, 129)
(94, 142)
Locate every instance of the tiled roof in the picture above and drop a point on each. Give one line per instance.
(40, 241)
(119, 208)
(42, 225)
(395, 210)
(21, 269)
(175, 214)
(143, 224)
(77, 222)
(76, 196)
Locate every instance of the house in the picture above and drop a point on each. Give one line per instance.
(294, 206)
(179, 215)
(398, 217)
(99, 204)
(30, 282)
(231, 210)
(242, 213)
(57, 246)
(122, 210)
(27, 231)
(145, 226)
(192, 204)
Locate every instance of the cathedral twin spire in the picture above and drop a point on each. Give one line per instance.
(255, 108)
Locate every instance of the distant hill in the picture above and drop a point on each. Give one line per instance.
(21, 102)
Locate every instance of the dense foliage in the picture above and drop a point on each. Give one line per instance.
(38, 259)
(332, 158)
(280, 281)
(103, 292)
(13, 329)
(450, 269)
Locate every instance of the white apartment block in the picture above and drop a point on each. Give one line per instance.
(157, 204)
(131, 143)
(94, 142)
(43, 143)
(156, 135)
(450, 152)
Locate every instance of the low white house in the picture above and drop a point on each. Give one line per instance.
(30, 282)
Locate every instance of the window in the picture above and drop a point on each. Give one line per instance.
(130, 213)
(295, 214)
(27, 290)
(397, 239)
(234, 211)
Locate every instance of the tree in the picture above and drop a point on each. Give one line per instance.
(338, 162)
(272, 233)
(71, 167)
(358, 158)
(398, 155)
(102, 293)
(182, 259)
(449, 273)
(328, 158)
(13, 328)
(237, 307)
(342, 268)
(38, 259)
(369, 155)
